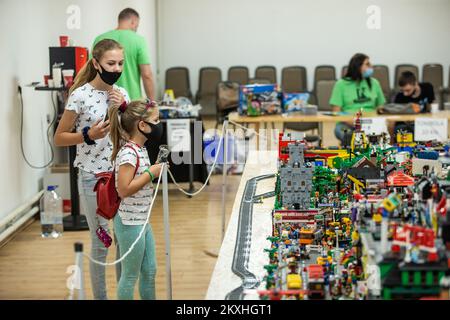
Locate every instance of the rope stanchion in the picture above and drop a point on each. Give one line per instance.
(224, 175)
(167, 233)
(79, 262)
(77, 281)
(224, 180)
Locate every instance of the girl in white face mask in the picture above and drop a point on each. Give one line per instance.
(83, 124)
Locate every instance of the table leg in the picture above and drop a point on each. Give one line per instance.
(191, 176)
(321, 132)
(257, 135)
(76, 221)
(328, 137)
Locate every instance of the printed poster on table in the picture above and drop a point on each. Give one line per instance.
(427, 129)
(374, 125)
(179, 135)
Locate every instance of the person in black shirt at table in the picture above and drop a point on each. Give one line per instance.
(411, 91)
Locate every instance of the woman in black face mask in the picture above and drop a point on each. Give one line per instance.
(109, 69)
(91, 96)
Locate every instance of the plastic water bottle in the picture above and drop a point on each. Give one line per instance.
(51, 213)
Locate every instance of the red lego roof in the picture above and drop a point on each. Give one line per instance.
(399, 179)
(315, 271)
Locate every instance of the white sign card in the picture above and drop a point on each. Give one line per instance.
(179, 135)
(375, 126)
(426, 129)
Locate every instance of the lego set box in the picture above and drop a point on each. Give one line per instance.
(265, 99)
(295, 102)
(259, 99)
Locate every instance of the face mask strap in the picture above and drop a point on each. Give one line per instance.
(98, 62)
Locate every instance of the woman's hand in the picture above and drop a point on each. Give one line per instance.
(99, 130)
(115, 98)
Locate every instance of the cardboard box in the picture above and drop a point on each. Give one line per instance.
(418, 164)
(293, 102)
(259, 99)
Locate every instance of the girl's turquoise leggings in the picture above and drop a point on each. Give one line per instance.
(140, 262)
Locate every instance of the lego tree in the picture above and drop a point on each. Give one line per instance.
(324, 181)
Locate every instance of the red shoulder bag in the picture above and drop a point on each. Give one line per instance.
(108, 200)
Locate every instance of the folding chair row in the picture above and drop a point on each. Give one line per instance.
(293, 79)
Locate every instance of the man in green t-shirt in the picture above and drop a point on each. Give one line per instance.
(355, 91)
(137, 61)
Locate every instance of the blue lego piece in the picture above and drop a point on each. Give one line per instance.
(429, 154)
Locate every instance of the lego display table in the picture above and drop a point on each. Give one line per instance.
(370, 223)
(327, 122)
(224, 280)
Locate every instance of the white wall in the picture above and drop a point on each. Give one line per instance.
(199, 33)
(29, 27)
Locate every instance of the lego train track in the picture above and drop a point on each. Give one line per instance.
(244, 237)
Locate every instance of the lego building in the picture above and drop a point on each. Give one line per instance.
(296, 179)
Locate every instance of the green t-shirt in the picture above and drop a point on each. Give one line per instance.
(351, 95)
(135, 53)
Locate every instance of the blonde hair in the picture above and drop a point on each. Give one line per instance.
(88, 72)
(123, 124)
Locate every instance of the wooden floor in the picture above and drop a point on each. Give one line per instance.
(35, 268)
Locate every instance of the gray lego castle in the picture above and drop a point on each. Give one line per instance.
(296, 179)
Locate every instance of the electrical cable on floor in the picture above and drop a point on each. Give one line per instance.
(48, 132)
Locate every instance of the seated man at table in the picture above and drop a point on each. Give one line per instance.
(411, 91)
(356, 91)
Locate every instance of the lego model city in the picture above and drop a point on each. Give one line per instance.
(369, 221)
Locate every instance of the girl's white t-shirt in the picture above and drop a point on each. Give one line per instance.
(133, 210)
(91, 104)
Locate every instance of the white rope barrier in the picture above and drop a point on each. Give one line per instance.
(247, 129)
(123, 256)
(210, 172)
(164, 172)
(224, 128)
